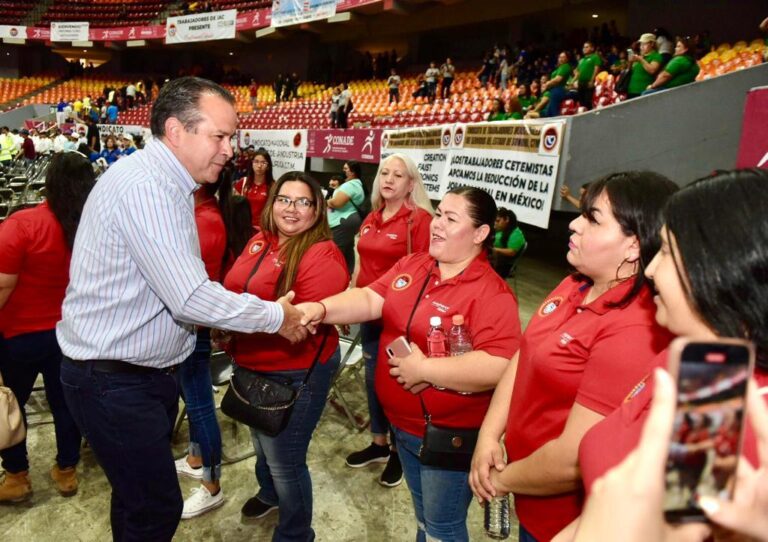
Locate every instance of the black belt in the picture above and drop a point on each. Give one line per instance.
(116, 366)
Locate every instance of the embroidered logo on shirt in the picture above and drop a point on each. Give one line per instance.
(392, 236)
(565, 338)
(256, 247)
(440, 307)
(402, 282)
(549, 306)
(365, 229)
(636, 390)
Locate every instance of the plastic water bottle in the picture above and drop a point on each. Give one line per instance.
(436, 340)
(437, 343)
(459, 338)
(497, 518)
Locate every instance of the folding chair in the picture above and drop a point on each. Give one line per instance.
(515, 263)
(349, 370)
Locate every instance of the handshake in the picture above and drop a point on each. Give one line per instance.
(299, 320)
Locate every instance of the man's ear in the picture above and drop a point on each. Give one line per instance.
(173, 131)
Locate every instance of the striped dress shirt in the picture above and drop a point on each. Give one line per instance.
(137, 283)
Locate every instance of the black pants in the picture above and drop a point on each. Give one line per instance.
(584, 95)
(344, 237)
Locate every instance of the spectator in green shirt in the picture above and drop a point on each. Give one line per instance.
(512, 109)
(497, 111)
(585, 74)
(645, 66)
(681, 70)
(556, 85)
(507, 242)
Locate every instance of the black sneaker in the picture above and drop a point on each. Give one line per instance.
(256, 508)
(393, 472)
(372, 454)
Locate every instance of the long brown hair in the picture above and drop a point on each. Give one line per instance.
(294, 249)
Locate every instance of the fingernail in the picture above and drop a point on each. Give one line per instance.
(710, 505)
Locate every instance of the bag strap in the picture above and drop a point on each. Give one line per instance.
(408, 243)
(265, 250)
(427, 417)
(317, 356)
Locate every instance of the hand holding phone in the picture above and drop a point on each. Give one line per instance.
(399, 348)
(706, 440)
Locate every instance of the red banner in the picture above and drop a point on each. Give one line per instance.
(123, 33)
(753, 147)
(252, 20)
(360, 144)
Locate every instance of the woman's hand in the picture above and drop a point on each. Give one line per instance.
(409, 370)
(488, 457)
(748, 512)
(313, 312)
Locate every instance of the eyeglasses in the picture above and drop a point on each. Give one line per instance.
(300, 204)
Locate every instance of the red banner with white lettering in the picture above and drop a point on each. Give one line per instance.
(753, 146)
(122, 33)
(360, 144)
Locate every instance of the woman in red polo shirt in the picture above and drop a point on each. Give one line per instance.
(454, 277)
(255, 186)
(398, 226)
(589, 343)
(35, 248)
(294, 252)
(706, 288)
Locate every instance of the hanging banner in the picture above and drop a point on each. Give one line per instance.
(427, 147)
(753, 145)
(69, 31)
(127, 33)
(13, 32)
(359, 144)
(120, 129)
(216, 25)
(288, 12)
(516, 161)
(287, 148)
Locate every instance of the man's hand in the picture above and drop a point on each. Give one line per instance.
(292, 329)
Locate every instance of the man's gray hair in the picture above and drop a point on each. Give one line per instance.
(180, 98)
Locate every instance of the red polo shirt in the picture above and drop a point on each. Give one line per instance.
(257, 195)
(610, 441)
(589, 354)
(489, 309)
(213, 237)
(322, 273)
(32, 246)
(382, 242)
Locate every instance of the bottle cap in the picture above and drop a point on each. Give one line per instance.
(458, 319)
(435, 321)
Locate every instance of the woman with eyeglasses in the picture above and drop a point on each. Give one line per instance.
(293, 252)
(35, 248)
(255, 186)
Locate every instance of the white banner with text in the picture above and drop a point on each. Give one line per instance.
(215, 25)
(287, 148)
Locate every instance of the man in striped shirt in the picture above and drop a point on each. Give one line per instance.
(137, 290)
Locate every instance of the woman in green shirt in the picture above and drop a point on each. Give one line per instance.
(681, 70)
(344, 215)
(497, 111)
(507, 243)
(556, 85)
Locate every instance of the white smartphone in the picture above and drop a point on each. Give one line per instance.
(399, 348)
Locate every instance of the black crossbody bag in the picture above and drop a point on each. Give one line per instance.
(260, 402)
(449, 448)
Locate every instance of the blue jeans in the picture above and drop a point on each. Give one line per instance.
(22, 358)
(128, 418)
(370, 334)
(281, 461)
(197, 390)
(525, 536)
(440, 497)
(556, 97)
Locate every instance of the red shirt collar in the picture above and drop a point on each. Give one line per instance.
(378, 216)
(604, 303)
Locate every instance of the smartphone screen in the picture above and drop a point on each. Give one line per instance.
(706, 440)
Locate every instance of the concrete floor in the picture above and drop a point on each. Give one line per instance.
(349, 505)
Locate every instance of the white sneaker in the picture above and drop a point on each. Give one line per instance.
(200, 502)
(183, 468)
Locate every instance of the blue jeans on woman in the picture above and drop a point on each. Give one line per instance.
(524, 535)
(22, 358)
(197, 390)
(370, 333)
(556, 97)
(440, 497)
(281, 461)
